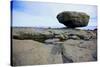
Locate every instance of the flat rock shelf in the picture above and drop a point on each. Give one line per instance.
(53, 46)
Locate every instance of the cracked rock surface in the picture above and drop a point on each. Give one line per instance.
(52, 46)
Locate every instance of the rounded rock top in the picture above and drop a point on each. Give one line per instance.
(73, 19)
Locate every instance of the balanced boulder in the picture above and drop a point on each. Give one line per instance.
(73, 19)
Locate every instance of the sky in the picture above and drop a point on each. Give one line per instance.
(43, 14)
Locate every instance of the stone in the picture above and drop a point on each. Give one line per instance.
(61, 36)
(73, 19)
(51, 41)
(88, 45)
(54, 46)
(79, 34)
(74, 37)
(29, 52)
(73, 53)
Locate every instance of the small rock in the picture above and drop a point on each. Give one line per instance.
(51, 41)
(62, 36)
(74, 37)
(58, 43)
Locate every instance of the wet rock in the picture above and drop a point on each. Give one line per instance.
(73, 19)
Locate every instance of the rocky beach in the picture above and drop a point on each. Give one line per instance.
(38, 46)
(51, 46)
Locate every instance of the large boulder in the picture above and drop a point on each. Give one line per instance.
(73, 19)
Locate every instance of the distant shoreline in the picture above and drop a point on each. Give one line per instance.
(84, 28)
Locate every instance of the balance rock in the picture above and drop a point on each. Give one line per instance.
(73, 19)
